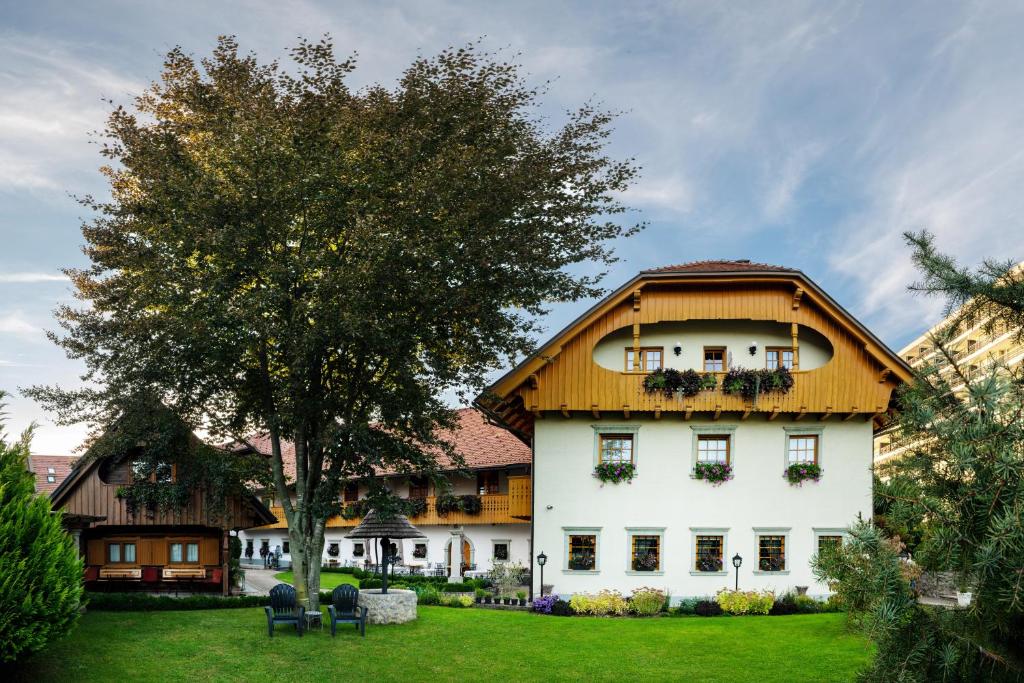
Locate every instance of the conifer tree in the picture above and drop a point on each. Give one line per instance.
(961, 486)
(40, 571)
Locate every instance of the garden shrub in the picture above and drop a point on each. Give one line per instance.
(707, 608)
(646, 602)
(686, 606)
(745, 602)
(561, 608)
(542, 604)
(604, 603)
(427, 595)
(144, 602)
(40, 572)
(456, 601)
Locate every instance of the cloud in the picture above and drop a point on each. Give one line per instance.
(31, 277)
(15, 323)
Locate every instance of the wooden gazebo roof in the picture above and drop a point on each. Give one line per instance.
(373, 526)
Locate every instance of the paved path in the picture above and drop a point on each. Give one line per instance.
(260, 581)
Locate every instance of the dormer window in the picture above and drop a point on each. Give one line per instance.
(159, 472)
(651, 359)
(779, 357)
(51, 475)
(350, 494)
(418, 487)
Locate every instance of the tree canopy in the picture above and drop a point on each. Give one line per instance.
(957, 495)
(284, 254)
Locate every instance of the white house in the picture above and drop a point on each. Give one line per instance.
(586, 401)
(495, 489)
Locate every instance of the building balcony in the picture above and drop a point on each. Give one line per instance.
(495, 508)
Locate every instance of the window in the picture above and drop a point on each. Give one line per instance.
(708, 553)
(419, 551)
(645, 554)
(184, 552)
(971, 345)
(582, 552)
(248, 548)
(616, 448)
(714, 359)
(713, 448)
(828, 542)
(286, 547)
(771, 553)
(779, 357)
(418, 487)
(650, 359)
(501, 550)
(351, 493)
(160, 472)
(803, 448)
(121, 553)
(358, 550)
(487, 482)
(51, 475)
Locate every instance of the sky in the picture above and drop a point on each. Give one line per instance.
(805, 134)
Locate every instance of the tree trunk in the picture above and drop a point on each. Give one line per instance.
(307, 551)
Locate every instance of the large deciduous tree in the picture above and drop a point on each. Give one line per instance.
(957, 496)
(285, 254)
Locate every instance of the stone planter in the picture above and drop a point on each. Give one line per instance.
(963, 598)
(396, 607)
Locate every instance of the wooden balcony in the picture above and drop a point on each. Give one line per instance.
(520, 497)
(495, 508)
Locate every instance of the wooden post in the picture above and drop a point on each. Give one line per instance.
(224, 554)
(796, 346)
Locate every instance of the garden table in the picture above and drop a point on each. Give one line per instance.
(314, 618)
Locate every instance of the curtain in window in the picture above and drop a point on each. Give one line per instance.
(175, 552)
(129, 552)
(192, 552)
(114, 552)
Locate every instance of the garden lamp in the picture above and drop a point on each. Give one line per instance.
(736, 562)
(542, 560)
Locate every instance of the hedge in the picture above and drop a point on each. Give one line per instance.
(144, 602)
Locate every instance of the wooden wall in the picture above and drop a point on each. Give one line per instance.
(94, 497)
(152, 549)
(853, 382)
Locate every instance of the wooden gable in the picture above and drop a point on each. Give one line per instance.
(86, 494)
(563, 377)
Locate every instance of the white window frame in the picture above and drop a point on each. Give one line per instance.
(632, 531)
(696, 531)
(508, 544)
(842, 532)
(805, 431)
(772, 531)
(712, 430)
(594, 531)
(416, 542)
(633, 429)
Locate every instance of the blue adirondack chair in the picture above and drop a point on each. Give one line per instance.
(283, 609)
(345, 610)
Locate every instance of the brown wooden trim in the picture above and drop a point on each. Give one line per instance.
(725, 358)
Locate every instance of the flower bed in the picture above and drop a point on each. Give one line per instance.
(669, 381)
(615, 472)
(799, 472)
(713, 472)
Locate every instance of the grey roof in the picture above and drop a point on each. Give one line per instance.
(373, 526)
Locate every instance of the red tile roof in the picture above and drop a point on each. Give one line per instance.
(482, 445)
(40, 466)
(740, 266)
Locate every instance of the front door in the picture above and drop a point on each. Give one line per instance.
(465, 557)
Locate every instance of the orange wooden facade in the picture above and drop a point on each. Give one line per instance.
(197, 535)
(563, 376)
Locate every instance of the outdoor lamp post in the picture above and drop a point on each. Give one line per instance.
(736, 562)
(542, 560)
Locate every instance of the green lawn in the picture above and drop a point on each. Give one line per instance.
(453, 644)
(328, 580)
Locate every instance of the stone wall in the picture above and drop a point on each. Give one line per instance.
(395, 607)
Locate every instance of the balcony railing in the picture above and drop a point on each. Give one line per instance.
(495, 508)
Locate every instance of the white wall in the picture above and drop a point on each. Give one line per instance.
(664, 495)
(480, 537)
(735, 335)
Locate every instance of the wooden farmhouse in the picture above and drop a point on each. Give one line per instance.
(152, 550)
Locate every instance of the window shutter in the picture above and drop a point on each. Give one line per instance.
(94, 552)
(208, 551)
